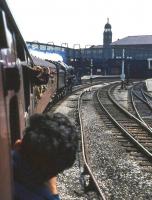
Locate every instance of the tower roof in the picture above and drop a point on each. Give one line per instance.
(107, 25)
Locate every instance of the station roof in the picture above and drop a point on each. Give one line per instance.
(96, 46)
(134, 40)
(93, 47)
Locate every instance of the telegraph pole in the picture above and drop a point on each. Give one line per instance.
(122, 76)
(91, 68)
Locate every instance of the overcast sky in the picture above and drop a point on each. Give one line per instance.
(81, 21)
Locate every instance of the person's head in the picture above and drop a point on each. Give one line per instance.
(49, 144)
(45, 70)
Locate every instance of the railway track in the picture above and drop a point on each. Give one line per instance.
(142, 104)
(137, 136)
(90, 183)
(117, 165)
(87, 183)
(75, 90)
(56, 102)
(133, 135)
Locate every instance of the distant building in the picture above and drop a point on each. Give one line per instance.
(137, 56)
(99, 54)
(136, 47)
(106, 59)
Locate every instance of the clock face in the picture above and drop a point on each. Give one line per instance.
(107, 30)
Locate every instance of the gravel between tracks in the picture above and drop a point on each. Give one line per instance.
(120, 176)
(68, 182)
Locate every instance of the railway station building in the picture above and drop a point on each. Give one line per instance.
(106, 59)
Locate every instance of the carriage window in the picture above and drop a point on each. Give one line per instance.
(3, 35)
(20, 50)
(26, 87)
(14, 120)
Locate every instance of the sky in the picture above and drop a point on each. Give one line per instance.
(80, 21)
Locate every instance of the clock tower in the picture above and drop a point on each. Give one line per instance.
(107, 34)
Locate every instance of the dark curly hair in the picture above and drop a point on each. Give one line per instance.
(49, 144)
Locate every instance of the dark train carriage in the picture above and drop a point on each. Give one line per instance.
(13, 55)
(60, 70)
(46, 89)
(19, 80)
(69, 76)
(61, 78)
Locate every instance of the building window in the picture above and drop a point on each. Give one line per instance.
(43, 47)
(35, 46)
(94, 51)
(57, 48)
(82, 51)
(50, 48)
(100, 51)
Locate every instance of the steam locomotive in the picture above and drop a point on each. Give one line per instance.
(27, 85)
